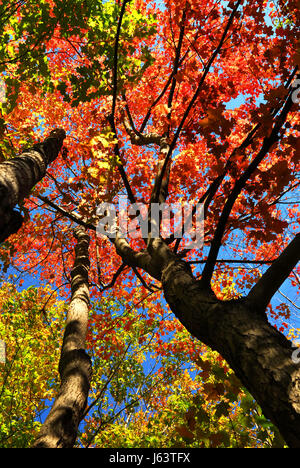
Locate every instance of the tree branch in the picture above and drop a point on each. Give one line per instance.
(268, 142)
(133, 258)
(114, 279)
(111, 118)
(140, 139)
(72, 216)
(19, 175)
(210, 193)
(196, 94)
(176, 64)
(261, 294)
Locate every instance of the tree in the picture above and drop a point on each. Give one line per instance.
(146, 103)
(28, 377)
(187, 398)
(61, 425)
(20, 175)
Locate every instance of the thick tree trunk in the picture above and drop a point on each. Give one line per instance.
(260, 356)
(239, 330)
(19, 175)
(61, 426)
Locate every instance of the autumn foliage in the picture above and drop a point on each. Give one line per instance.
(178, 101)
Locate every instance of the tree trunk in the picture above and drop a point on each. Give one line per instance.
(19, 175)
(238, 329)
(61, 425)
(260, 356)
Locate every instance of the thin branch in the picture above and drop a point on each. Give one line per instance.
(194, 98)
(146, 286)
(262, 293)
(112, 373)
(115, 277)
(176, 64)
(72, 216)
(111, 118)
(286, 297)
(115, 64)
(162, 93)
(255, 262)
(268, 143)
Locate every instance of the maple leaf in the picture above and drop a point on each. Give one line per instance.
(206, 92)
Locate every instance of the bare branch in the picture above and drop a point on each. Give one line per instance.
(194, 98)
(261, 294)
(73, 216)
(268, 143)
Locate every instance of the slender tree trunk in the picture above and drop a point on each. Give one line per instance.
(61, 426)
(19, 175)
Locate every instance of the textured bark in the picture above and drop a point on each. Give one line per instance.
(61, 426)
(260, 356)
(19, 175)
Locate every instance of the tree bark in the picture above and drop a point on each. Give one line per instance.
(19, 175)
(239, 330)
(61, 425)
(260, 356)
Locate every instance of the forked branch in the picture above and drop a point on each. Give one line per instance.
(268, 143)
(262, 293)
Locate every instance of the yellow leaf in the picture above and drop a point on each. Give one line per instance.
(93, 171)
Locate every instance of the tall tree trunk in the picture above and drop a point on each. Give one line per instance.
(19, 175)
(238, 329)
(61, 425)
(260, 356)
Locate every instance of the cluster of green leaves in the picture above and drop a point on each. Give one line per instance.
(202, 411)
(26, 27)
(35, 32)
(94, 77)
(29, 377)
(141, 396)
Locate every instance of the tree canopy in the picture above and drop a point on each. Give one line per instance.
(132, 106)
